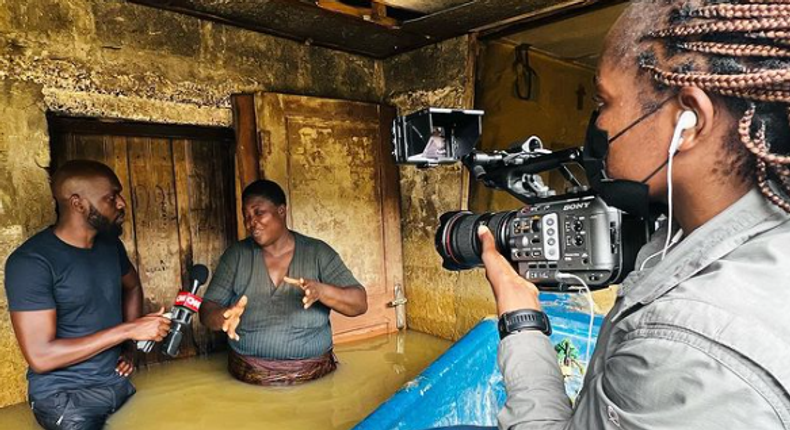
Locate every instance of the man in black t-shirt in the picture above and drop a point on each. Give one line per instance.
(76, 301)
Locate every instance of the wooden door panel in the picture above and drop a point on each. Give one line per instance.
(209, 169)
(204, 186)
(118, 161)
(334, 163)
(337, 196)
(330, 157)
(156, 217)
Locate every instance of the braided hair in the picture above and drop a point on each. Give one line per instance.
(738, 51)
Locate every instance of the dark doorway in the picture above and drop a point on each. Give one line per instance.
(179, 185)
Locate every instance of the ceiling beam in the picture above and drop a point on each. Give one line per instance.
(542, 17)
(186, 8)
(376, 13)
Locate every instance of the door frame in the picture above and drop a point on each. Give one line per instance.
(59, 124)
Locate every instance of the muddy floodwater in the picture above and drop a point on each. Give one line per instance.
(198, 393)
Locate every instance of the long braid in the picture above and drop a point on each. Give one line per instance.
(782, 36)
(760, 148)
(759, 95)
(768, 1)
(773, 26)
(747, 48)
(773, 79)
(736, 49)
(742, 11)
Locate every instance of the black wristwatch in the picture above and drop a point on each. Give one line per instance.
(524, 319)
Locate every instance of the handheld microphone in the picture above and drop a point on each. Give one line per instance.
(187, 303)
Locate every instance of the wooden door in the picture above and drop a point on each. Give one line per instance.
(179, 188)
(332, 158)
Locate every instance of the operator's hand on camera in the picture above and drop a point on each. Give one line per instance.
(153, 326)
(511, 291)
(312, 290)
(232, 317)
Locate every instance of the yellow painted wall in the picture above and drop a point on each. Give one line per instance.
(553, 116)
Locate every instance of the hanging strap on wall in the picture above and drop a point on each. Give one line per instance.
(526, 86)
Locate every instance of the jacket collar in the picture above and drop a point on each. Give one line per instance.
(748, 217)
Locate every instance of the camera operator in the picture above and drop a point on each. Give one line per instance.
(699, 336)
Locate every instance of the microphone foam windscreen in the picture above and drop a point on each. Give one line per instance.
(199, 273)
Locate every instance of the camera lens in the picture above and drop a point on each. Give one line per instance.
(457, 241)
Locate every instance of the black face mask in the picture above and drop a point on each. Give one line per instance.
(630, 196)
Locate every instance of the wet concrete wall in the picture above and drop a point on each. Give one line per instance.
(24, 147)
(442, 76)
(112, 59)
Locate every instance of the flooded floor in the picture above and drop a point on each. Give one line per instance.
(198, 393)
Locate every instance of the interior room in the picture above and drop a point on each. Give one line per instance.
(189, 102)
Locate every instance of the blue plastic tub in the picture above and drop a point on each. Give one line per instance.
(464, 385)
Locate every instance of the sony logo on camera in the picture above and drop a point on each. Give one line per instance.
(576, 206)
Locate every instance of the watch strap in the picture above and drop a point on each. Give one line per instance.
(523, 319)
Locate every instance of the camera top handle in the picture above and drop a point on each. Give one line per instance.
(516, 171)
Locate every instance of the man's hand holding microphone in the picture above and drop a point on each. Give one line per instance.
(149, 328)
(153, 326)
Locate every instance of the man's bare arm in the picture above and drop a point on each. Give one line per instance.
(44, 352)
(132, 296)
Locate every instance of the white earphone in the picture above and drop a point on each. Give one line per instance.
(688, 119)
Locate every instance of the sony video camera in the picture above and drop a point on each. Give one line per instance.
(575, 233)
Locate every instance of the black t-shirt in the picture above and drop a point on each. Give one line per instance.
(84, 287)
